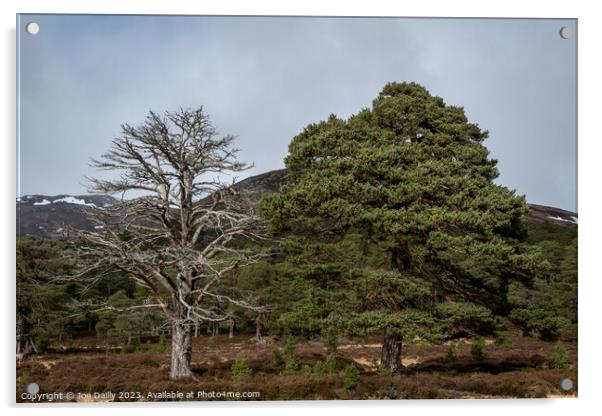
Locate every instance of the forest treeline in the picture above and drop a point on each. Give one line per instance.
(300, 285)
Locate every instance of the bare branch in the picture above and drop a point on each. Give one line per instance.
(184, 235)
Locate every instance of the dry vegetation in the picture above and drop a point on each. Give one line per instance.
(518, 369)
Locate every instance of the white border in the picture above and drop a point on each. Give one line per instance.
(590, 203)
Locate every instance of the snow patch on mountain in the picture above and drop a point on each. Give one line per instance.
(73, 200)
(94, 201)
(572, 220)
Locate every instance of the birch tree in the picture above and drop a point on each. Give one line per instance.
(183, 230)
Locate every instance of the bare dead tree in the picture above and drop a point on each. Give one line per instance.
(25, 343)
(181, 239)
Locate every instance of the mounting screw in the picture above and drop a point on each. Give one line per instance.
(565, 32)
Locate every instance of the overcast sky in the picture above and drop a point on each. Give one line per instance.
(264, 79)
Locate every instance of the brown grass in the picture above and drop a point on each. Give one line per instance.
(519, 371)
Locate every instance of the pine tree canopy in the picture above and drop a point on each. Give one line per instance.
(413, 175)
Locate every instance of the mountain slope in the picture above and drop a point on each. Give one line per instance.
(44, 215)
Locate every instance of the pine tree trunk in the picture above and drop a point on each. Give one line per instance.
(181, 344)
(390, 357)
(401, 257)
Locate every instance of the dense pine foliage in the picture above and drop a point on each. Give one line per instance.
(412, 177)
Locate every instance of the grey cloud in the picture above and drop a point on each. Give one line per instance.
(264, 79)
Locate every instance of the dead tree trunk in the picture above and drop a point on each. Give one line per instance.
(258, 336)
(25, 344)
(390, 357)
(181, 343)
(231, 332)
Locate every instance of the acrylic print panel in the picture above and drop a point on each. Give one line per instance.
(295, 208)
